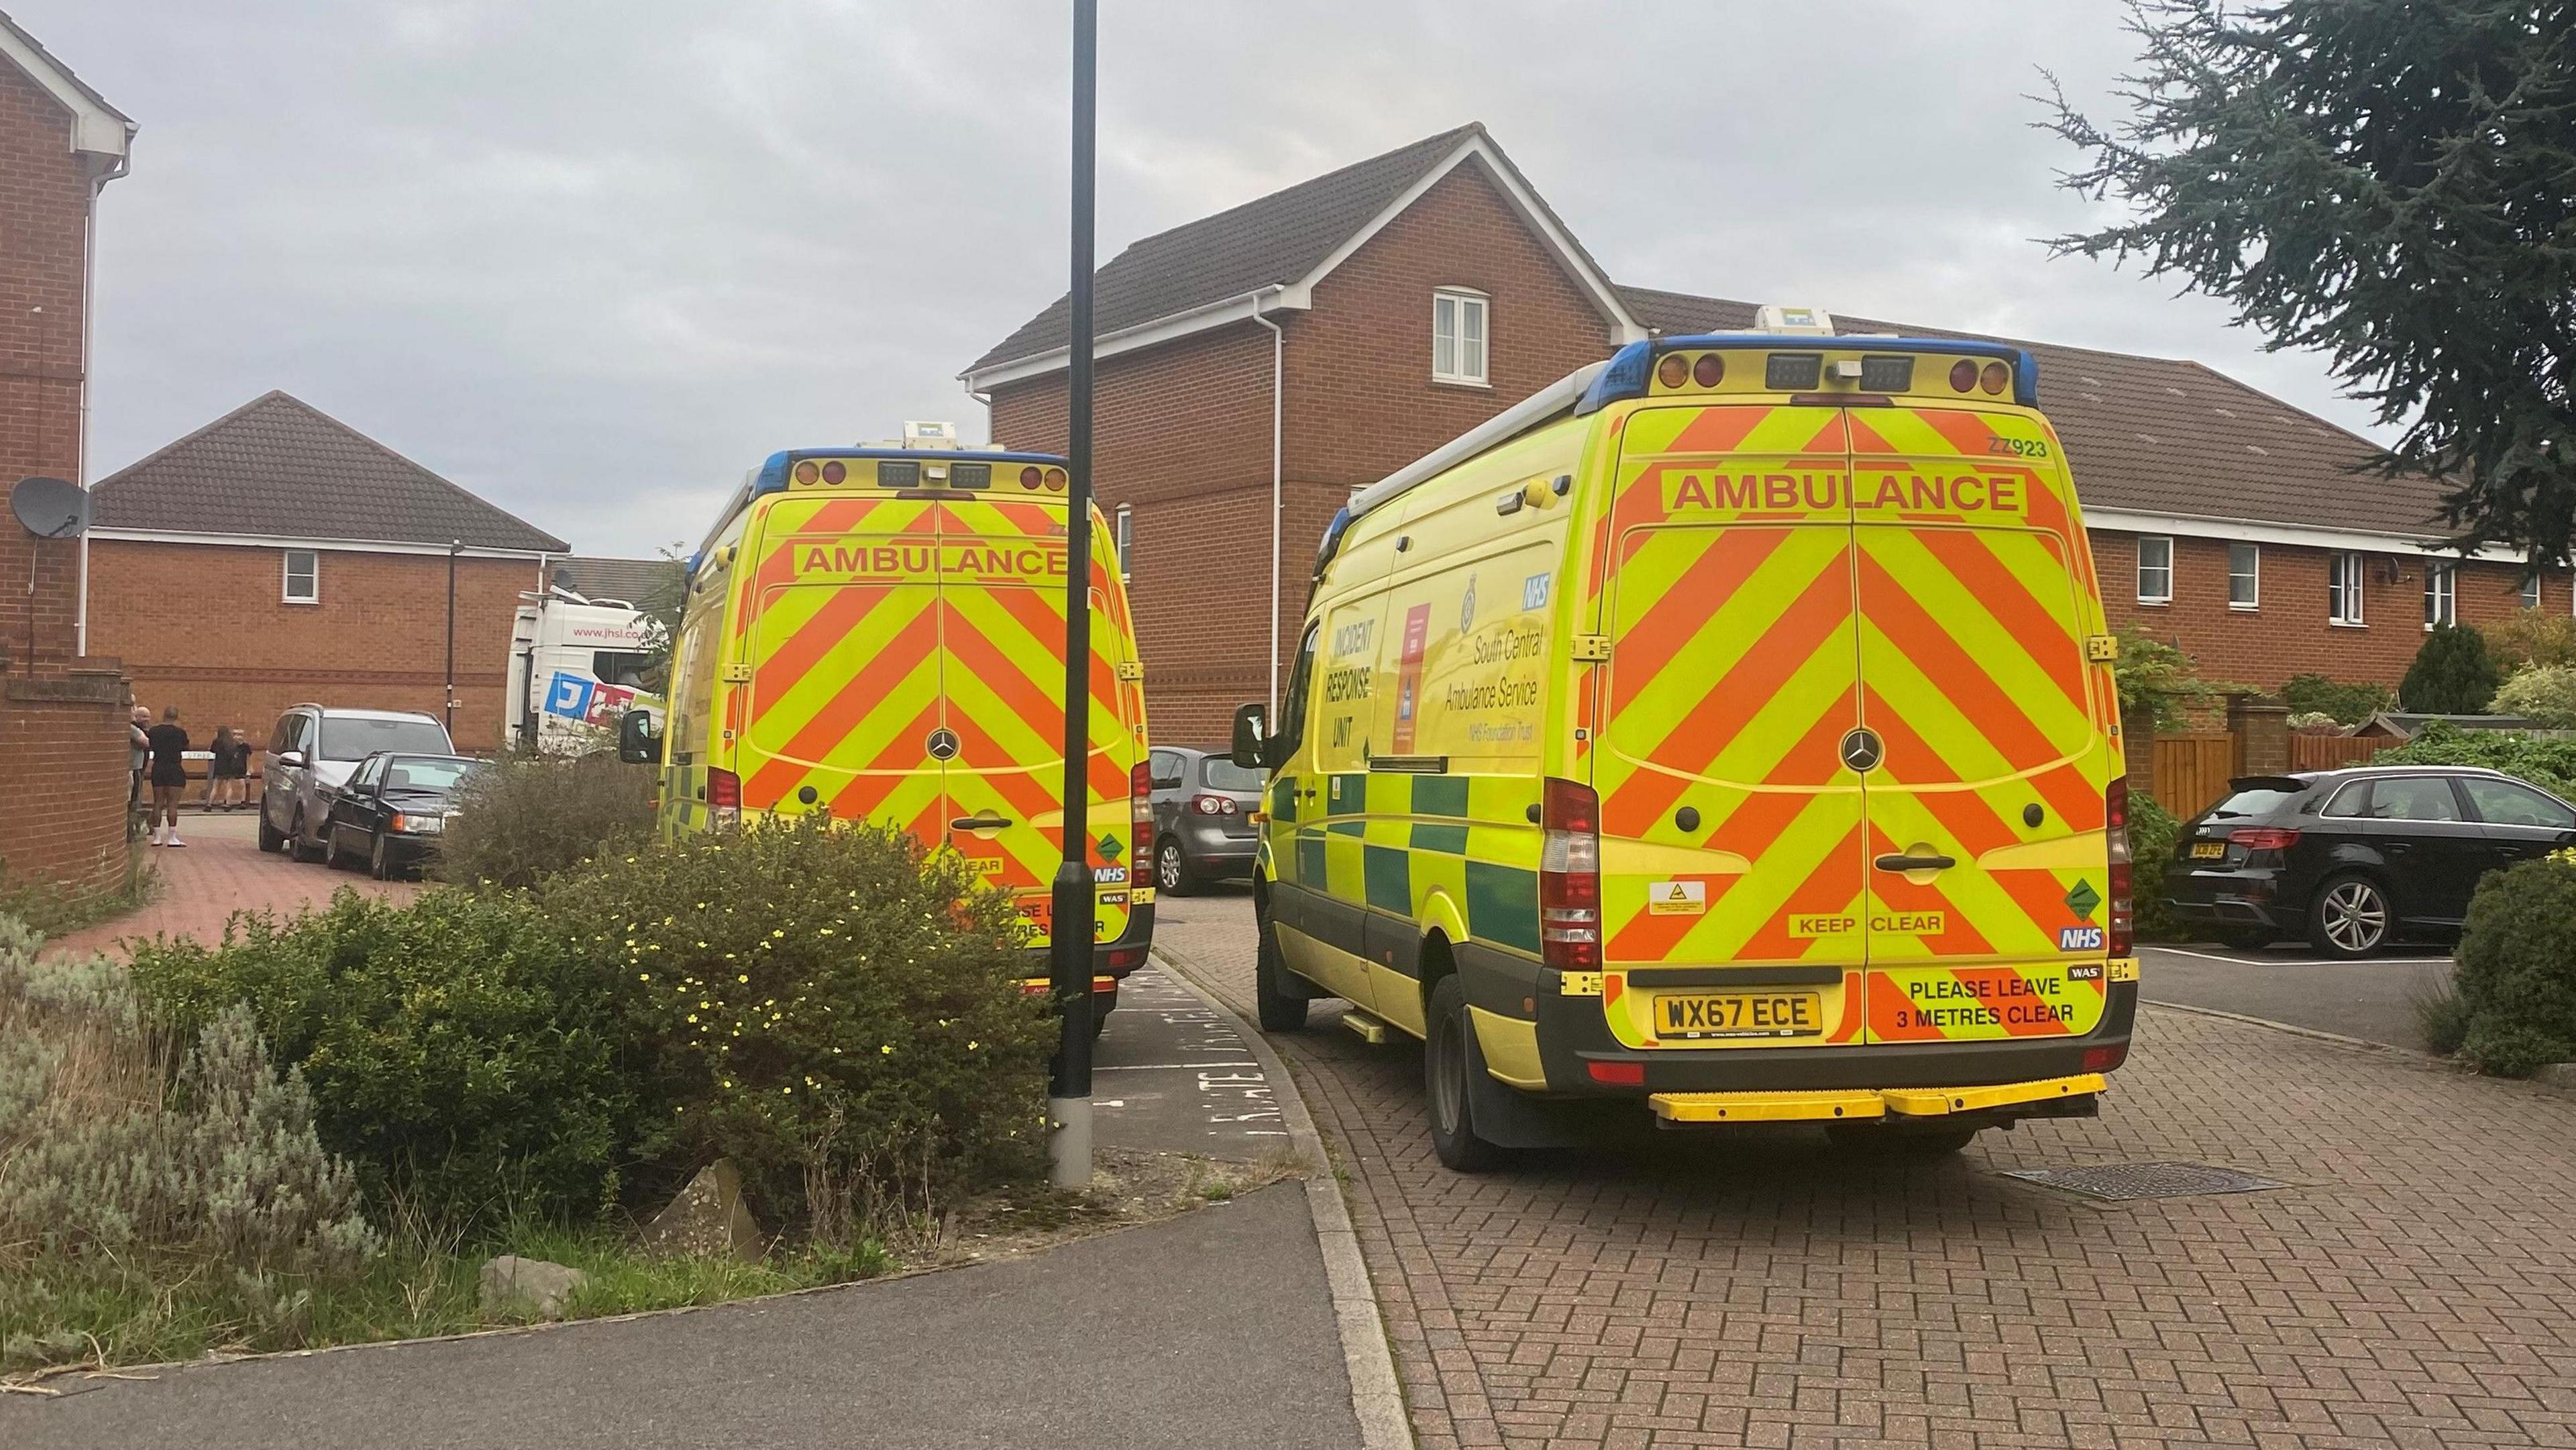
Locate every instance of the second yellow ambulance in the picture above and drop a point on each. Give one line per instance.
(878, 633)
(1730, 729)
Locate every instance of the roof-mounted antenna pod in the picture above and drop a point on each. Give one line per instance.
(930, 435)
(1793, 321)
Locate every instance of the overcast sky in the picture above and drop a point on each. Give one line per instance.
(593, 258)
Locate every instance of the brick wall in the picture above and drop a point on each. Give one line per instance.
(2288, 633)
(1183, 433)
(204, 627)
(61, 717)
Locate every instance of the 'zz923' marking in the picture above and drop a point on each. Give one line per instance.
(2018, 447)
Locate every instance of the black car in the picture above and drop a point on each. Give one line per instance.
(2353, 859)
(1203, 807)
(392, 810)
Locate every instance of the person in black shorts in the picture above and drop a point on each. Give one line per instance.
(169, 772)
(228, 773)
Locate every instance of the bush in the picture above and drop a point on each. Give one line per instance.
(2532, 637)
(2344, 704)
(2152, 833)
(2549, 764)
(2516, 977)
(527, 817)
(2159, 678)
(2542, 694)
(103, 1154)
(458, 1049)
(828, 1006)
(2452, 675)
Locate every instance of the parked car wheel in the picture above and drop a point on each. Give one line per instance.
(1280, 1009)
(1448, 1065)
(380, 861)
(2351, 918)
(271, 839)
(296, 846)
(332, 855)
(1172, 871)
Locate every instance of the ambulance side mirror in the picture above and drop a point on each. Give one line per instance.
(1251, 736)
(638, 743)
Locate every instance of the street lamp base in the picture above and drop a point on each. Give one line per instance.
(1069, 1142)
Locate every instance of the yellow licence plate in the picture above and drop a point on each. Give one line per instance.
(1739, 1014)
(2208, 850)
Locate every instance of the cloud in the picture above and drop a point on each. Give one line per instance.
(594, 258)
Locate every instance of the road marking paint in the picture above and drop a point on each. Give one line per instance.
(1170, 1066)
(2303, 961)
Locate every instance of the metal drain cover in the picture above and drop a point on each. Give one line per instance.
(2121, 1182)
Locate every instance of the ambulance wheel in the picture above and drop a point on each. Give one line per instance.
(1172, 872)
(1278, 1008)
(1898, 1145)
(1449, 1061)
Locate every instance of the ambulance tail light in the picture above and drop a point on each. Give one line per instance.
(724, 799)
(1140, 811)
(2122, 907)
(1569, 877)
(2105, 1059)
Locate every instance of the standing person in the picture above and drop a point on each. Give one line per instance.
(139, 750)
(169, 770)
(227, 773)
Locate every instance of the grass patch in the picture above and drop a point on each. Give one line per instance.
(109, 1310)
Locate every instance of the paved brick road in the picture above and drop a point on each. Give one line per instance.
(2416, 1288)
(221, 871)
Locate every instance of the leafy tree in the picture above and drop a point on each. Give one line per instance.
(2542, 694)
(2532, 637)
(2452, 675)
(2160, 677)
(2385, 181)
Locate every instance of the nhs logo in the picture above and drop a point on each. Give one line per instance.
(2079, 938)
(1534, 591)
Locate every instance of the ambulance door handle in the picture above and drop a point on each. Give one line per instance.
(1915, 863)
(979, 823)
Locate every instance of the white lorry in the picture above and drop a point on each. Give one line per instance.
(576, 666)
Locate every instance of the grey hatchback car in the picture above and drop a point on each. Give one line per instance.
(1203, 829)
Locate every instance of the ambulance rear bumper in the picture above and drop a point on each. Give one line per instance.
(1572, 1036)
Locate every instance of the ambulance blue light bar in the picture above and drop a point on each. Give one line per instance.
(1633, 366)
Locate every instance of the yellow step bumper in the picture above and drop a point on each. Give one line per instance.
(1863, 1104)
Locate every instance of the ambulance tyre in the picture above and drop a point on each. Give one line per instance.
(1280, 1008)
(1898, 1145)
(1449, 1063)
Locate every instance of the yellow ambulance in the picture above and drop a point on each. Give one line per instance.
(878, 634)
(1730, 727)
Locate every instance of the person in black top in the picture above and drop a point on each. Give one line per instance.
(169, 772)
(228, 773)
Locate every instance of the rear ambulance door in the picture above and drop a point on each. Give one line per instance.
(1002, 628)
(1989, 875)
(841, 641)
(1733, 843)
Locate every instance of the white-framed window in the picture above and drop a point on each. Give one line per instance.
(1126, 541)
(2531, 591)
(303, 576)
(1458, 334)
(2344, 576)
(2155, 569)
(2244, 576)
(2441, 594)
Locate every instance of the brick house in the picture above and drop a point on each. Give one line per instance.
(278, 555)
(61, 705)
(1257, 365)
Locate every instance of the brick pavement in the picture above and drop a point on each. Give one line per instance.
(2416, 1287)
(219, 872)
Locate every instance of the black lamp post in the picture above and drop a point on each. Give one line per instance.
(1073, 909)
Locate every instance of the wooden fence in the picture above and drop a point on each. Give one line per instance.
(2333, 752)
(2192, 770)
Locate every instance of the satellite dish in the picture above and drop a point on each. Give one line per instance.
(51, 508)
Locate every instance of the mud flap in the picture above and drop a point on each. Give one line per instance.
(1509, 1118)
